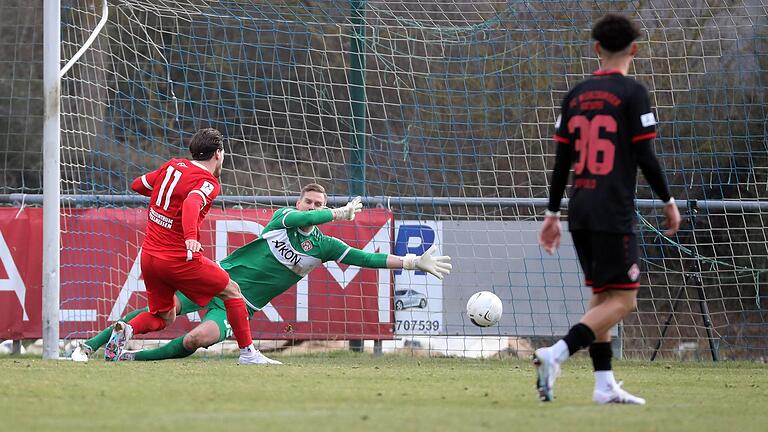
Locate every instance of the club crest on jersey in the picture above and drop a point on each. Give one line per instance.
(633, 272)
(306, 245)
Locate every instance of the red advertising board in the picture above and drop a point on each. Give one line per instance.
(101, 278)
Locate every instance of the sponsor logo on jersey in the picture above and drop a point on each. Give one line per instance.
(648, 119)
(294, 259)
(585, 183)
(633, 272)
(286, 252)
(163, 221)
(306, 245)
(181, 164)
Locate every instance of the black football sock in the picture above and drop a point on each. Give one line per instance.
(579, 337)
(601, 354)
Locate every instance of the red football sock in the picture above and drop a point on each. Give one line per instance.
(146, 322)
(237, 316)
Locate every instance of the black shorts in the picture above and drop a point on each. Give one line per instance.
(609, 260)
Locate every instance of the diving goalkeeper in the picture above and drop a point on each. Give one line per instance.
(289, 248)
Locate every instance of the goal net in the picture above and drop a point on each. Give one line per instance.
(440, 114)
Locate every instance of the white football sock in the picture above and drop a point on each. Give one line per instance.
(560, 351)
(604, 380)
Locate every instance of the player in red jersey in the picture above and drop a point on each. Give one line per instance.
(180, 194)
(604, 133)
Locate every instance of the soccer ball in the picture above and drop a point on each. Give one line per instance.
(484, 309)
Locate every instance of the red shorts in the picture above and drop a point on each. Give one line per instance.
(200, 280)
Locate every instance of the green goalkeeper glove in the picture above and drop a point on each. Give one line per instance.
(349, 211)
(437, 266)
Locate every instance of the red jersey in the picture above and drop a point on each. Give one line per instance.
(181, 193)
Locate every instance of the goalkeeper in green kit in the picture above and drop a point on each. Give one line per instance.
(289, 248)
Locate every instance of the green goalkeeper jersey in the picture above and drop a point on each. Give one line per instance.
(284, 253)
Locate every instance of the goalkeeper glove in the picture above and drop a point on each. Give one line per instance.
(437, 266)
(349, 211)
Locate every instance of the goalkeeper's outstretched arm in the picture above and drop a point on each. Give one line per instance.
(438, 266)
(298, 218)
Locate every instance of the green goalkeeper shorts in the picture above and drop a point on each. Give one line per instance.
(214, 311)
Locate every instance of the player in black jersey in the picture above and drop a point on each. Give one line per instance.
(604, 133)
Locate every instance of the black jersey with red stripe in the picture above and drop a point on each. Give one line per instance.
(604, 121)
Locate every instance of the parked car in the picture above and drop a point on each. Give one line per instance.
(409, 298)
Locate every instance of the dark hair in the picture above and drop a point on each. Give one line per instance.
(205, 143)
(615, 32)
(313, 187)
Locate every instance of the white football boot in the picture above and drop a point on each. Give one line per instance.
(251, 355)
(547, 371)
(615, 395)
(121, 333)
(81, 353)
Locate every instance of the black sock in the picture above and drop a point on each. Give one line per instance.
(601, 354)
(579, 336)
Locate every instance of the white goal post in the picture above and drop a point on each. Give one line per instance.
(52, 74)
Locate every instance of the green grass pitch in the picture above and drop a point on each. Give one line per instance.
(346, 391)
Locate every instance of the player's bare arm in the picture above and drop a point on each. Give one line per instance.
(671, 218)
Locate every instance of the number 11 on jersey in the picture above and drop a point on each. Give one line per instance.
(170, 172)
